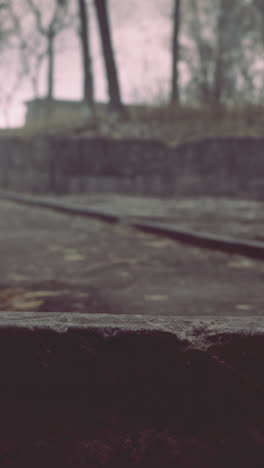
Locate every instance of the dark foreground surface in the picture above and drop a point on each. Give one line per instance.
(121, 391)
(80, 391)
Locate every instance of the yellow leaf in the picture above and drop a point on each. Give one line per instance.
(123, 274)
(16, 277)
(26, 305)
(32, 294)
(11, 292)
(75, 257)
(244, 307)
(54, 248)
(242, 263)
(156, 297)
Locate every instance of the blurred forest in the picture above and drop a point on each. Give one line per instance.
(216, 72)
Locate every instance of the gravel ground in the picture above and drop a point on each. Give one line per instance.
(55, 262)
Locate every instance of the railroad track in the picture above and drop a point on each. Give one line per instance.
(231, 245)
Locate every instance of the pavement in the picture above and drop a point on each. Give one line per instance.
(221, 216)
(53, 262)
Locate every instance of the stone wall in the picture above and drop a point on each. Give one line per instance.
(61, 165)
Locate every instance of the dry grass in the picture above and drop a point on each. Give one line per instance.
(169, 125)
(174, 125)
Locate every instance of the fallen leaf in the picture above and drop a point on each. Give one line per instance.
(74, 258)
(32, 294)
(54, 248)
(242, 263)
(11, 292)
(123, 274)
(16, 277)
(26, 305)
(73, 255)
(244, 307)
(155, 297)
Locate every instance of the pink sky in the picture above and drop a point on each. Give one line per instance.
(141, 37)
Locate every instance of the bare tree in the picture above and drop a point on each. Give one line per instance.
(175, 93)
(235, 53)
(88, 84)
(195, 53)
(29, 43)
(10, 86)
(221, 58)
(220, 53)
(229, 49)
(49, 29)
(259, 6)
(8, 93)
(6, 29)
(101, 8)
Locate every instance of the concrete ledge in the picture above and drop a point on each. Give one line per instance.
(59, 206)
(202, 239)
(193, 329)
(79, 389)
(49, 349)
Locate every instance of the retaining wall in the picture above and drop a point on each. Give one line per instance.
(225, 167)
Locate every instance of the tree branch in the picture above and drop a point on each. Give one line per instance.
(38, 17)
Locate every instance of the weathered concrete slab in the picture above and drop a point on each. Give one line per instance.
(194, 329)
(112, 391)
(65, 353)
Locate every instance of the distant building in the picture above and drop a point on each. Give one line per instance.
(48, 112)
(42, 111)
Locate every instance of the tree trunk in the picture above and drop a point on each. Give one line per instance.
(88, 85)
(50, 66)
(219, 72)
(108, 52)
(175, 93)
(34, 81)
